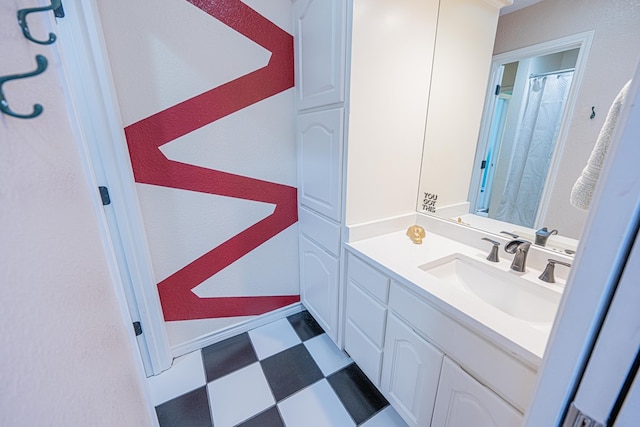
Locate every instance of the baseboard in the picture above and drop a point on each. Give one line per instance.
(221, 335)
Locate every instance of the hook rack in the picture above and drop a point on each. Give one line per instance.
(56, 7)
(41, 62)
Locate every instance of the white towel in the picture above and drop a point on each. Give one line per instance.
(582, 190)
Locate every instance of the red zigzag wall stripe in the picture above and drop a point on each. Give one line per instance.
(150, 166)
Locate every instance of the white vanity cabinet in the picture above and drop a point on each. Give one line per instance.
(411, 372)
(433, 369)
(462, 401)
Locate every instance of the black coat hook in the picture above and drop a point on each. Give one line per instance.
(56, 7)
(37, 108)
(593, 113)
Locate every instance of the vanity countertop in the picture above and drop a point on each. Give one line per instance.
(400, 259)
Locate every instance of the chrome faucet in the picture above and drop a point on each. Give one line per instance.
(521, 249)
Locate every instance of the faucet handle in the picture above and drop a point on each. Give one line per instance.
(515, 236)
(493, 255)
(548, 273)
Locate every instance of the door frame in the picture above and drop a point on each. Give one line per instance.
(583, 41)
(603, 251)
(105, 158)
(615, 350)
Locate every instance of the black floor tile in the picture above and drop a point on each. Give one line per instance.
(269, 418)
(227, 356)
(290, 370)
(190, 409)
(358, 395)
(305, 326)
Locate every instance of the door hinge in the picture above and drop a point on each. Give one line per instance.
(59, 11)
(483, 164)
(104, 195)
(137, 328)
(576, 418)
(498, 87)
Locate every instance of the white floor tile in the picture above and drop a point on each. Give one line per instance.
(388, 417)
(186, 374)
(316, 406)
(273, 338)
(327, 354)
(239, 395)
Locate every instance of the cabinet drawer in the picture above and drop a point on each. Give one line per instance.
(368, 278)
(366, 355)
(510, 378)
(320, 230)
(366, 313)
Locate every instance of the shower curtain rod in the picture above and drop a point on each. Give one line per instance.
(551, 73)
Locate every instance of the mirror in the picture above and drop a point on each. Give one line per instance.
(547, 50)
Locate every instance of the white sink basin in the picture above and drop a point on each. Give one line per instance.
(504, 290)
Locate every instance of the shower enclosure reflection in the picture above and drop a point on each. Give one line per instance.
(529, 108)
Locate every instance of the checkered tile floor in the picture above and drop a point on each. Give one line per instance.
(287, 373)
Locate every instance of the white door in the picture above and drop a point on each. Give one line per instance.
(606, 389)
(94, 105)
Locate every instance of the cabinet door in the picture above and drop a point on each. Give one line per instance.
(320, 136)
(410, 373)
(319, 274)
(320, 27)
(462, 401)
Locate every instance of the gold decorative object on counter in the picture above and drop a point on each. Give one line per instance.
(460, 221)
(416, 234)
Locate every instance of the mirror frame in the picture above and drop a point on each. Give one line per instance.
(582, 41)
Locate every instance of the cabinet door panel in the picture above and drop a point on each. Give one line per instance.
(410, 373)
(320, 137)
(365, 353)
(319, 273)
(462, 401)
(320, 28)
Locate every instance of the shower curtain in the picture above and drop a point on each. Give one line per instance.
(533, 148)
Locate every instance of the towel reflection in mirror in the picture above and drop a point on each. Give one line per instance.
(582, 191)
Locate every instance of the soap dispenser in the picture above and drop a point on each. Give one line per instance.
(543, 234)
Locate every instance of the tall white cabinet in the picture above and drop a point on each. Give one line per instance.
(320, 46)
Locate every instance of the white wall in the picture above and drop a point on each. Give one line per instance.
(466, 30)
(611, 63)
(391, 56)
(67, 359)
(172, 52)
